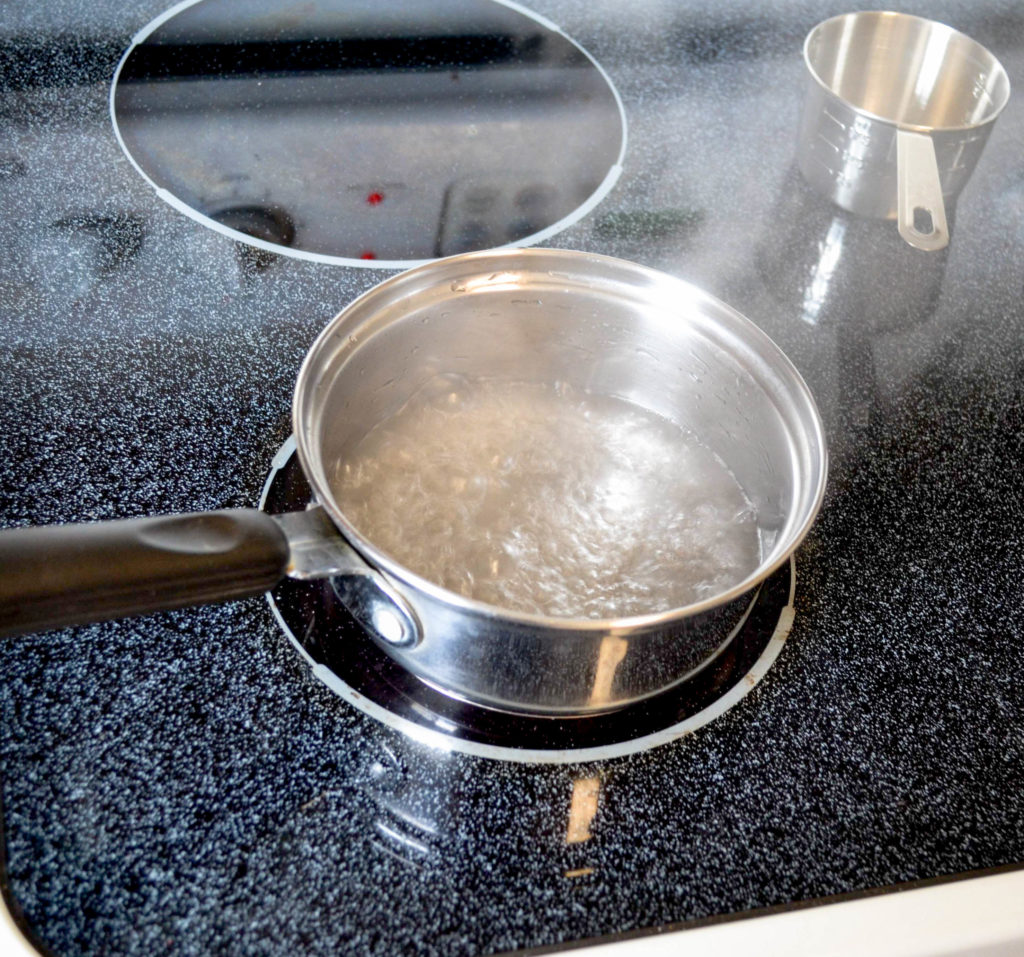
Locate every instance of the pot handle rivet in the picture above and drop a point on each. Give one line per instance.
(379, 608)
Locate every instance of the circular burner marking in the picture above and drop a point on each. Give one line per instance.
(383, 137)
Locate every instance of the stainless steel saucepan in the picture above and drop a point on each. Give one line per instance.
(605, 327)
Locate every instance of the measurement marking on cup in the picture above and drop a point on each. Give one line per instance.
(835, 119)
(832, 146)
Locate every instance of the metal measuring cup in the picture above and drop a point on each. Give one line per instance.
(897, 112)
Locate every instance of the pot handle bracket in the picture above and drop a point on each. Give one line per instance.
(318, 551)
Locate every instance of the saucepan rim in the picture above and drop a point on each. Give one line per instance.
(522, 259)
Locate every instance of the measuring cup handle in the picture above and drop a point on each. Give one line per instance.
(921, 214)
(58, 575)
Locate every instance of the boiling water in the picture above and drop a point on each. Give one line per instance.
(541, 499)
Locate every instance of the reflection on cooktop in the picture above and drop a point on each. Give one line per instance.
(376, 135)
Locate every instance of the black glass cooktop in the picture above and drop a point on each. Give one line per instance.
(184, 783)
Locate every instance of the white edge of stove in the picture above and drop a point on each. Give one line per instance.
(976, 917)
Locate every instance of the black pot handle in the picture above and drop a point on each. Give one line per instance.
(57, 575)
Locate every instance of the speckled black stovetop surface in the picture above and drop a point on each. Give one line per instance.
(181, 784)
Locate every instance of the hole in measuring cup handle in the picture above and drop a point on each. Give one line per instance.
(923, 222)
(379, 608)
